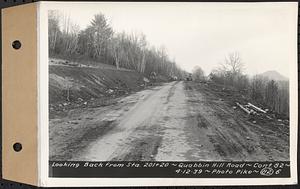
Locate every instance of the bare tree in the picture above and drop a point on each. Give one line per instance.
(271, 95)
(54, 30)
(257, 88)
(233, 63)
(116, 49)
(142, 43)
(231, 69)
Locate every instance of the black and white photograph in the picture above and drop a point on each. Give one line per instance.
(170, 82)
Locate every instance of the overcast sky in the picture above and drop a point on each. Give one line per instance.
(203, 33)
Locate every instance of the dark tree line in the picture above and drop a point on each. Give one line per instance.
(274, 94)
(101, 43)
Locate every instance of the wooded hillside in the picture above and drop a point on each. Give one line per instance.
(101, 43)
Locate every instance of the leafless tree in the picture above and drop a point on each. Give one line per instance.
(116, 48)
(54, 29)
(233, 63)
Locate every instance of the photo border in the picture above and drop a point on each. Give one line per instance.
(44, 135)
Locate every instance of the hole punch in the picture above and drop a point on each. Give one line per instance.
(17, 147)
(16, 44)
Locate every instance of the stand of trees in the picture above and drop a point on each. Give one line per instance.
(198, 74)
(100, 43)
(273, 94)
(269, 93)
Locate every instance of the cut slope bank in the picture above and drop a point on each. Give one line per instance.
(72, 84)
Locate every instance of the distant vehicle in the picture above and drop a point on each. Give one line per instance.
(173, 78)
(189, 77)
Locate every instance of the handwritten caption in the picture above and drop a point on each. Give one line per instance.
(229, 168)
(182, 169)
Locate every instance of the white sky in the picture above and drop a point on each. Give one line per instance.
(203, 33)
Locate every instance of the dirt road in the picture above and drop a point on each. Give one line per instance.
(177, 121)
